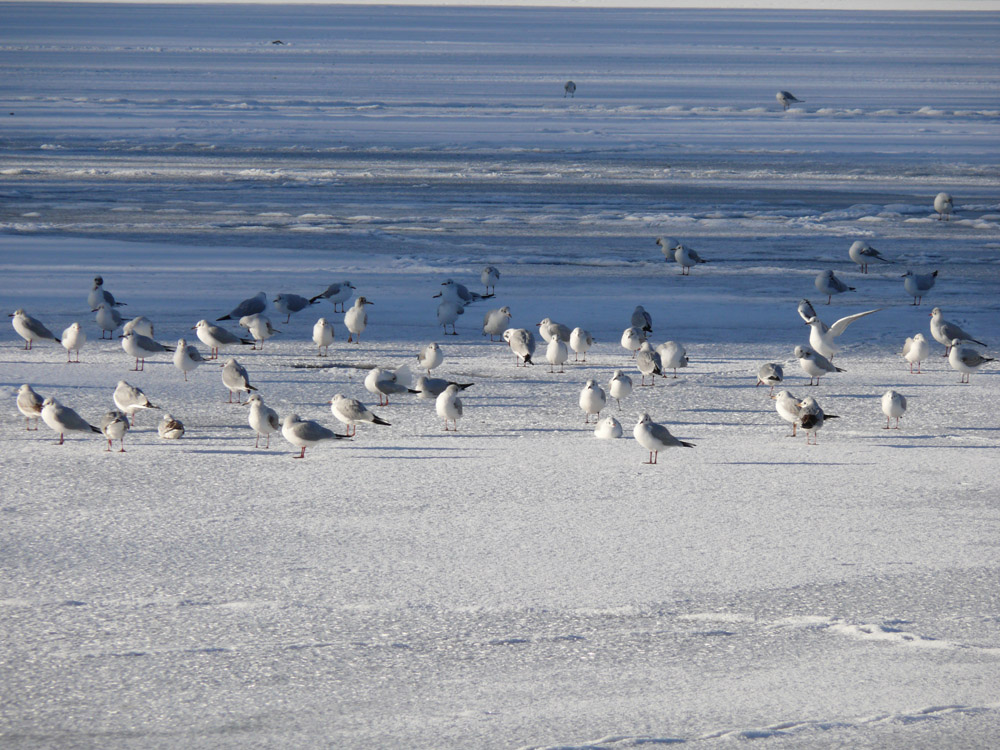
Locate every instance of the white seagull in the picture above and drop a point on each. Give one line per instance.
(30, 329)
(304, 433)
(965, 359)
(917, 285)
(434, 387)
(592, 400)
(822, 338)
(522, 343)
(236, 379)
(672, 356)
(290, 303)
(632, 339)
(813, 364)
(786, 99)
(356, 319)
(108, 319)
(648, 363)
(447, 313)
(73, 339)
(114, 425)
(556, 353)
(608, 428)
(323, 336)
(186, 357)
(770, 374)
(655, 438)
(130, 399)
(668, 246)
(249, 306)
(830, 285)
(893, 406)
(490, 276)
(216, 337)
(944, 332)
(548, 328)
(383, 383)
(170, 428)
(337, 293)
(139, 346)
(99, 295)
(916, 349)
(811, 417)
(459, 293)
(259, 327)
(862, 253)
(62, 419)
(686, 258)
(620, 387)
(642, 319)
(262, 418)
(496, 321)
(29, 404)
(141, 324)
(449, 406)
(944, 205)
(580, 342)
(352, 412)
(430, 357)
(787, 407)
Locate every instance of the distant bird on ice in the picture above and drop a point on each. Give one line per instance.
(686, 258)
(862, 253)
(770, 374)
(139, 346)
(548, 328)
(827, 283)
(641, 319)
(632, 339)
(592, 400)
(449, 406)
(170, 428)
(620, 387)
(813, 364)
(259, 327)
(556, 353)
(108, 319)
(337, 293)
(30, 329)
(216, 337)
(916, 349)
(383, 383)
(434, 387)
(289, 304)
(944, 205)
(304, 433)
(187, 357)
(496, 321)
(430, 357)
(262, 418)
(672, 357)
(141, 324)
(62, 419)
(965, 359)
(73, 339)
(649, 363)
(29, 404)
(944, 332)
(99, 295)
(580, 342)
(114, 425)
(788, 408)
(608, 428)
(352, 412)
(323, 336)
(130, 399)
(655, 437)
(356, 319)
(787, 98)
(812, 417)
(249, 306)
(490, 276)
(447, 313)
(893, 406)
(668, 246)
(236, 379)
(522, 342)
(917, 285)
(569, 89)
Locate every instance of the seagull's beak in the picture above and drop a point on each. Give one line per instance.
(369, 302)
(436, 295)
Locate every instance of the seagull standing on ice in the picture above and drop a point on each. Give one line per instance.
(114, 425)
(788, 409)
(830, 285)
(430, 357)
(813, 364)
(655, 437)
(304, 433)
(965, 359)
(216, 337)
(29, 404)
(811, 417)
(580, 342)
(916, 349)
(356, 319)
(917, 285)
(686, 258)
(592, 400)
(434, 387)
(447, 313)
(893, 406)
(862, 253)
(139, 346)
(141, 324)
(236, 379)
(338, 294)
(945, 332)
(569, 90)
(30, 329)
(108, 319)
(290, 303)
(787, 98)
(672, 356)
(522, 343)
(620, 387)
(608, 428)
(770, 374)
(73, 339)
(668, 246)
(249, 306)
(642, 319)
(262, 419)
(259, 327)
(822, 337)
(100, 296)
(490, 276)
(170, 428)
(323, 336)
(383, 384)
(496, 321)
(449, 406)
(130, 399)
(632, 339)
(944, 205)
(556, 353)
(62, 419)
(648, 363)
(547, 328)
(352, 412)
(186, 357)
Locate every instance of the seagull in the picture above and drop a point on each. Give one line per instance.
(29, 404)
(547, 329)
(945, 332)
(687, 258)
(632, 339)
(495, 322)
(655, 437)
(249, 306)
(356, 319)
(811, 417)
(98, 295)
(290, 303)
(62, 419)
(668, 246)
(216, 337)
(944, 205)
(323, 336)
(114, 425)
(580, 342)
(259, 327)
(814, 365)
(139, 346)
(917, 285)
(965, 359)
(430, 357)
(592, 400)
(434, 387)
(608, 428)
(672, 356)
(130, 399)
(460, 293)
(770, 374)
(304, 433)
(862, 253)
(142, 325)
(30, 329)
(262, 418)
(490, 276)
(620, 387)
(642, 319)
(648, 363)
(449, 406)
(383, 383)
(787, 407)
(830, 285)
(916, 349)
(186, 357)
(556, 353)
(806, 310)
(73, 339)
(893, 405)
(236, 379)
(522, 343)
(108, 319)
(170, 428)
(821, 336)
(569, 89)
(338, 294)
(447, 313)
(787, 98)
(352, 412)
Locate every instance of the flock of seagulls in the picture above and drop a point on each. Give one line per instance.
(814, 359)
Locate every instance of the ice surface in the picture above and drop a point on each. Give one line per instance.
(518, 583)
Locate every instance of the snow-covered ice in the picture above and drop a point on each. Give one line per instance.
(516, 583)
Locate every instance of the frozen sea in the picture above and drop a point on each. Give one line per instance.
(517, 584)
